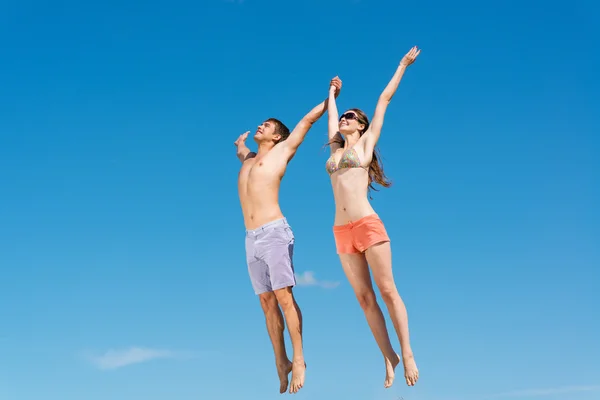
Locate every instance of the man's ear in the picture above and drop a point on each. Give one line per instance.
(277, 137)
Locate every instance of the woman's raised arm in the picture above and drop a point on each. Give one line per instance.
(332, 112)
(372, 135)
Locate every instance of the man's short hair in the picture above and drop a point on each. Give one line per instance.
(280, 129)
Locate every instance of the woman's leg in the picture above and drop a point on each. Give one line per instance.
(379, 258)
(357, 271)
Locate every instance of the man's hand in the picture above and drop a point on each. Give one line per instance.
(243, 152)
(241, 139)
(410, 57)
(335, 85)
(297, 136)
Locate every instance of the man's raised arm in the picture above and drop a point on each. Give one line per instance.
(301, 129)
(243, 152)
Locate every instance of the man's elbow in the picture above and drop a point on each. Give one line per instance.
(308, 121)
(243, 155)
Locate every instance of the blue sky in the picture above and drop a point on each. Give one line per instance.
(122, 255)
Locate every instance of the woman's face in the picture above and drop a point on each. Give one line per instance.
(348, 123)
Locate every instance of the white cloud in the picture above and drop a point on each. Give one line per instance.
(549, 392)
(308, 279)
(113, 359)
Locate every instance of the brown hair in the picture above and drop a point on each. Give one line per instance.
(280, 129)
(376, 173)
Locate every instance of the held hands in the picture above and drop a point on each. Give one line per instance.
(410, 57)
(335, 85)
(241, 139)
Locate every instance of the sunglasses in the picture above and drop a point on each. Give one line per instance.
(348, 116)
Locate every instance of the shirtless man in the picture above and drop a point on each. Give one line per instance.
(269, 238)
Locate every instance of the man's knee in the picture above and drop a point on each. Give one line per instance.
(285, 298)
(268, 302)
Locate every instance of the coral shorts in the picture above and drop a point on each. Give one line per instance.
(358, 236)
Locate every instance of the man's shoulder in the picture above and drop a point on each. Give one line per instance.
(275, 161)
(278, 152)
(248, 160)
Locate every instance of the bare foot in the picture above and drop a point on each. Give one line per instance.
(411, 373)
(283, 371)
(390, 366)
(298, 370)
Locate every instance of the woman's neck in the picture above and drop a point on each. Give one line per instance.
(351, 140)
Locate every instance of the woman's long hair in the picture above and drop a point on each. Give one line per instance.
(376, 173)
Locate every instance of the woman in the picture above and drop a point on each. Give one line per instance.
(360, 236)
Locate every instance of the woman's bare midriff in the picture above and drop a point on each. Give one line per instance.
(350, 188)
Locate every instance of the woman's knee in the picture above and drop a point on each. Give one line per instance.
(389, 293)
(366, 298)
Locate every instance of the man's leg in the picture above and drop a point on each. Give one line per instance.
(281, 272)
(261, 283)
(293, 318)
(275, 327)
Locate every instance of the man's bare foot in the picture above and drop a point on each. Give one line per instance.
(411, 373)
(298, 370)
(283, 371)
(390, 366)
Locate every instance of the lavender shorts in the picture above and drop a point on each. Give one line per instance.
(269, 254)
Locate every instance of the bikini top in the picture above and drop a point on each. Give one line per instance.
(349, 160)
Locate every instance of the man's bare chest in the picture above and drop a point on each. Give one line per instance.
(259, 172)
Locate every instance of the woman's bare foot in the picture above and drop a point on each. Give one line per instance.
(390, 374)
(283, 371)
(411, 373)
(298, 371)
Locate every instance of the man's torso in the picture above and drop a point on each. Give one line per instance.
(258, 187)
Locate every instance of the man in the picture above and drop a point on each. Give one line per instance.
(269, 238)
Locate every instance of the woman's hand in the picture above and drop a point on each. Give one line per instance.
(335, 86)
(410, 57)
(334, 90)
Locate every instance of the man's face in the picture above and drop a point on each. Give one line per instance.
(266, 132)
